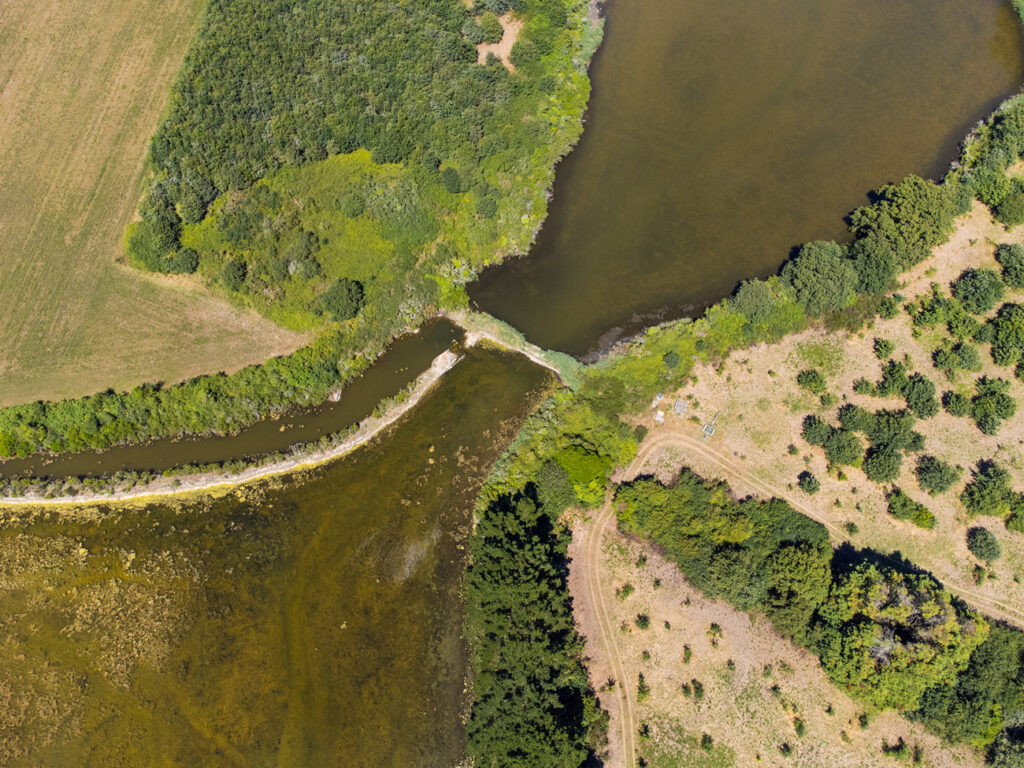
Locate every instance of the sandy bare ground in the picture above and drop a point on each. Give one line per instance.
(82, 86)
(503, 48)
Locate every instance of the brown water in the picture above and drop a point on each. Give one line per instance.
(310, 621)
(407, 358)
(722, 133)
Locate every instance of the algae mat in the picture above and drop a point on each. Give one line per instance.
(311, 621)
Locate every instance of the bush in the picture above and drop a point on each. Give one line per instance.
(1011, 259)
(822, 278)
(184, 262)
(902, 507)
(343, 300)
(978, 290)
(811, 380)
(983, 544)
(920, 395)
(808, 482)
(956, 404)
(883, 348)
(935, 476)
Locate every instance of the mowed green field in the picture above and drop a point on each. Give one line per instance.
(82, 86)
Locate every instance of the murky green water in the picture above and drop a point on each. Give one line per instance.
(310, 621)
(722, 133)
(406, 358)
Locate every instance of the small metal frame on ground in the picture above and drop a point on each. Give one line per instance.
(709, 428)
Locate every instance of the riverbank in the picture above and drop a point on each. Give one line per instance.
(205, 482)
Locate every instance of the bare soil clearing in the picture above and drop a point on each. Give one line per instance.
(82, 85)
(503, 48)
(760, 414)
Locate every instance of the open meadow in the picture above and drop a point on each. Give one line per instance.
(82, 85)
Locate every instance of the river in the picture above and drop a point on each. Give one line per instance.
(722, 133)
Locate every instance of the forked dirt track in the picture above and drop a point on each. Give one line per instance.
(594, 594)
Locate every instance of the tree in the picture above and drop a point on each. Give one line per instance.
(991, 405)
(934, 475)
(843, 448)
(983, 544)
(920, 396)
(798, 577)
(491, 28)
(882, 464)
(815, 431)
(1010, 209)
(450, 179)
(1008, 335)
(888, 636)
(912, 217)
(875, 263)
(822, 277)
(956, 404)
(754, 300)
(343, 300)
(978, 290)
(1011, 259)
(808, 483)
(989, 493)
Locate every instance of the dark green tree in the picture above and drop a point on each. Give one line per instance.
(821, 276)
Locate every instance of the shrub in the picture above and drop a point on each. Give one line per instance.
(808, 482)
(643, 621)
(184, 262)
(888, 308)
(978, 290)
(920, 395)
(343, 300)
(935, 476)
(1011, 259)
(811, 380)
(902, 507)
(233, 274)
(822, 277)
(956, 404)
(863, 387)
(883, 348)
(983, 544)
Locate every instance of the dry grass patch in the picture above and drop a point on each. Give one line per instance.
(82, 85)
(739, 683)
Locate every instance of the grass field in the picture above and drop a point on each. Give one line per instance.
(82, 85)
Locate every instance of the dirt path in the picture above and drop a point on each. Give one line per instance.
(675, 436)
